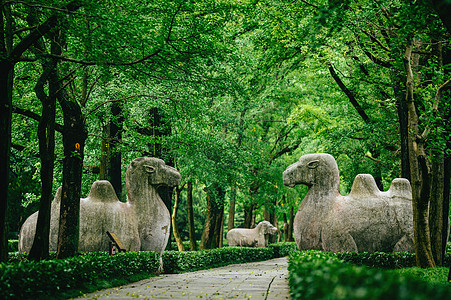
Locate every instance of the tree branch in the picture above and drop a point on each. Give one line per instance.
(34, 116)
(350, 95)
(41, 30)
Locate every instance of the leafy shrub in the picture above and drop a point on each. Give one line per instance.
(321, 275)
(13, 245)
(385, 260)
(20, 278)
(178, 262)
(283, 248)
(48, 278)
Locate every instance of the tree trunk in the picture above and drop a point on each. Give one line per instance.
(436, 209)
(419, 173)
(46, 135)
(6, 86)
(111, 159)
(291, 225)
(192, 232)
(110, 165)
(105, 156)
(249, 219)
(219, 229)
(116, 128)
(175, 229)
(74, 137)
(231, 220)
(6, 81)
(211, 235)
(205, 242)
(270, 216)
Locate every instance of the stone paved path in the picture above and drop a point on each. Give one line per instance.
(259, 280)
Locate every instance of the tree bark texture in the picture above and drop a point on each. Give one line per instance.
(111, 159)
(175, 229)
(46, 135)
(6, 80)
(249, 218)
(191, 230)
(419, 173)
(74, 137)
(231, 220)
(211, 235)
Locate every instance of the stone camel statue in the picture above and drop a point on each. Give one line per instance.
(366, 220)
(141, 224)
(256, 237)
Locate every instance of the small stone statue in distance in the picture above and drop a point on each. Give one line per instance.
(257, 237)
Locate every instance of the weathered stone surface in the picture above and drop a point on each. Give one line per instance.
(144, 175)
(143, 223)
(256, 237)
(365, 220)
(101, 211)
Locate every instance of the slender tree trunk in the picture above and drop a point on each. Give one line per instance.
(46, 135)
(436, 209)
(6, 81)
(285, 227)
(211, 234)
(175, 229)
(205, 242)
(116, 129)
(419, 173)
(192, 232)
(231, 220)
(74, 136)
(404, 137)
(270, 216)
(105, 156)
(291, 225)
(6, 85)
(111, 159)
(249, 215)
(219, 228)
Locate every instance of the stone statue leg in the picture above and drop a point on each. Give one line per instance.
(405, 244)
(336, 241)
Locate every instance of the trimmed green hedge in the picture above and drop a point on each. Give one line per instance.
(47, 279)
(322, 275)
(179, 262)
(22, 279)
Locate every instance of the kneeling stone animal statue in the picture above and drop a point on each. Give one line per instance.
(366, 220)
(257, 237)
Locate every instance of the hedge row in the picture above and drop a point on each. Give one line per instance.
(322, 275)
(22, 279)
(384, 260)
(178, 262)
(49, 278)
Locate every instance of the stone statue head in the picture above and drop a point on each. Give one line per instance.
(145, 171)
(312, 169)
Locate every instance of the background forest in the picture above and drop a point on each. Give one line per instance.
(230, 92)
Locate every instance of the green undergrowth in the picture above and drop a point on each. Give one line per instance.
(323, 275)
(88, 272)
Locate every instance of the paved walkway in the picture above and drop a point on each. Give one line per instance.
(259, 280)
